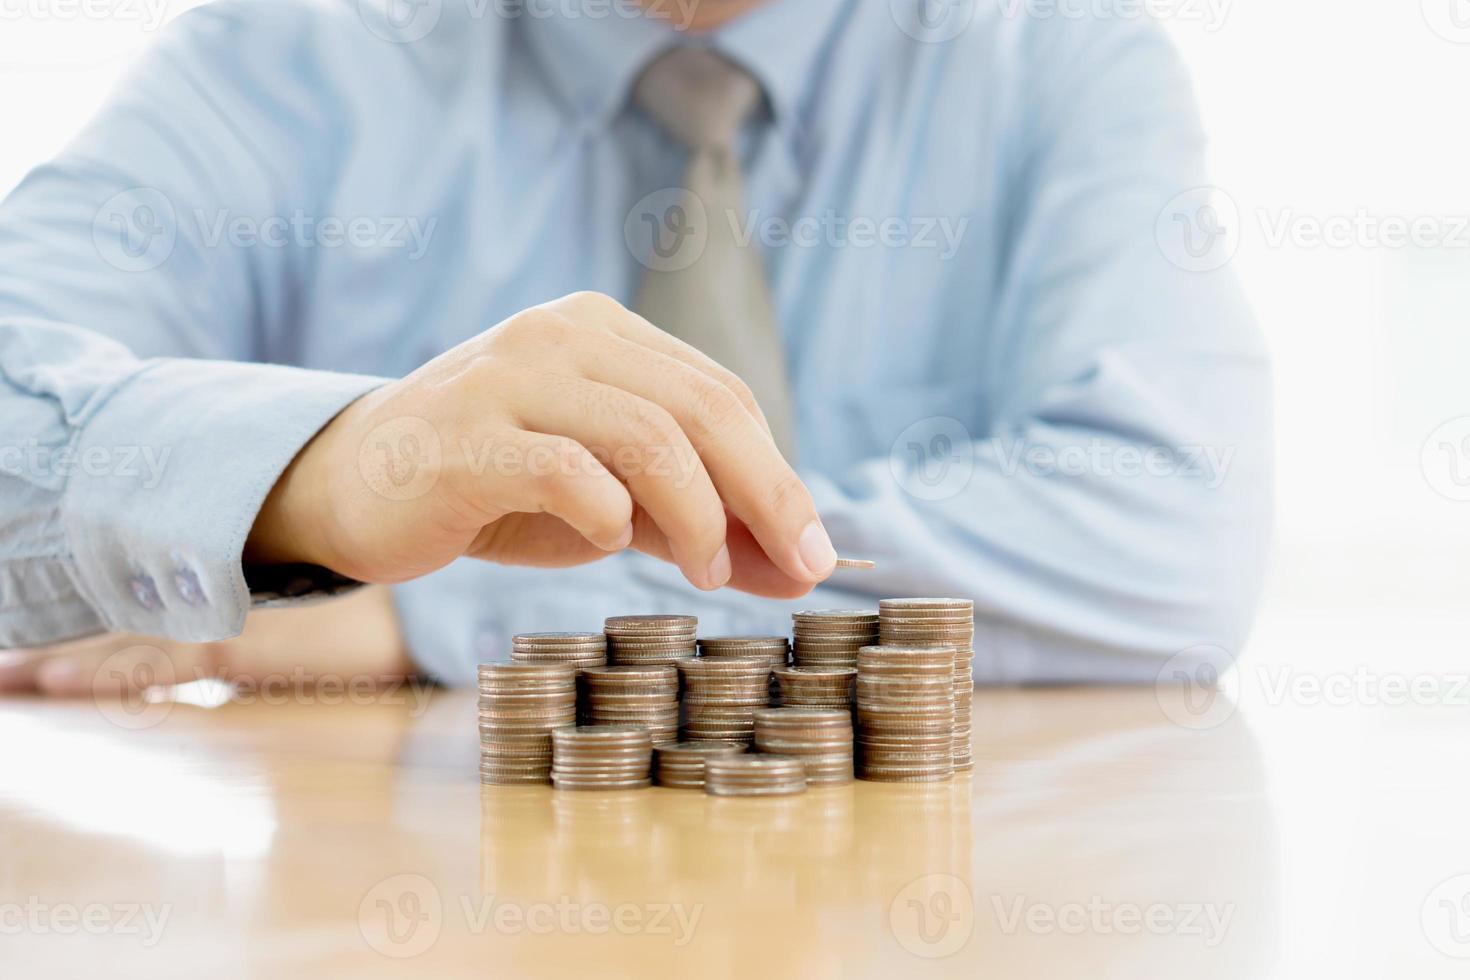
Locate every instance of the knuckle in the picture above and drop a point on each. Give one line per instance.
(537, 326)
(460, 485)
(548, 486)
(740, 389)
(610, 517)
(650, 425)
(787, 494)
(592, 302)
(715, 408)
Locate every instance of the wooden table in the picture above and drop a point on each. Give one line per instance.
(1102, 834)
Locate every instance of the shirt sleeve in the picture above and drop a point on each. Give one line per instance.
(1116, 512)
(138, 443)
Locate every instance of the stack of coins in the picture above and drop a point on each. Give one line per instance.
(647, 696)
(574, 649)
(601, 757)
(643, 640)
(754, 775)
(905, 713)
(520, 706)
(680, 765)
(721, 696)
(964, 697)
(831, 637)
(820, 737)
(917, 622)
(777, 648)
(816, 687)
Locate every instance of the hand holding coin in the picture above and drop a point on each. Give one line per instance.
(566, 432)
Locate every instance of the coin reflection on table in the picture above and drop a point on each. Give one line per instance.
(953, 878)
(1082, 803)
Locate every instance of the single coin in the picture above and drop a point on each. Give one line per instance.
(655, 622)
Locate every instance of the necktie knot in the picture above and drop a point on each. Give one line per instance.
(699, 96)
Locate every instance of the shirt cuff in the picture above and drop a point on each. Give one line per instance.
(188, 450)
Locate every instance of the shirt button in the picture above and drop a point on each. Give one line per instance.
(145, 592)
(186, 581)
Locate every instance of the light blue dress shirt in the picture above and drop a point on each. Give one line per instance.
(1005, 387)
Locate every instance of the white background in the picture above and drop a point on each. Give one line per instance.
(1318, 110)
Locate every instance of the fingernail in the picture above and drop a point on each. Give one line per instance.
(816, 550)
(624, 539)
(719, 569)
(58, 672)
(14, 658)
(15, 668)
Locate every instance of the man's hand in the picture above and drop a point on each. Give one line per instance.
(568, 431)
(355, 637)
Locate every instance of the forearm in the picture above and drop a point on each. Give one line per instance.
(138, 445)
(128, 487)
(1093, 552)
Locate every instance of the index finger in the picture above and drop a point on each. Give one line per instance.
(749, 473)
(630, 326)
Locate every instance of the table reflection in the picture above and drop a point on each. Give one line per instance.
(1083, 808)
(302, 830)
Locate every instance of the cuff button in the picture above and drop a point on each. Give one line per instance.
(186, 582)
(145, 592)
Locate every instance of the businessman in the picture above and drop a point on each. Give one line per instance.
(537, 312)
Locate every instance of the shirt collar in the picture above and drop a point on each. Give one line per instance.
(782, 43)
(592, 62)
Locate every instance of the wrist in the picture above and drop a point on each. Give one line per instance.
(289, 526)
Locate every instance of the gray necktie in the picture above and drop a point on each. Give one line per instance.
(721, 303)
